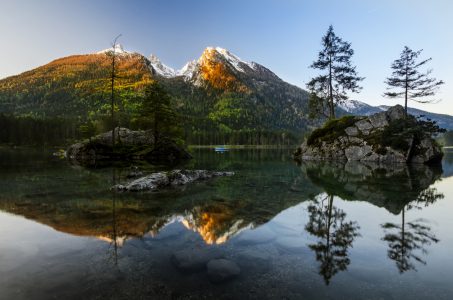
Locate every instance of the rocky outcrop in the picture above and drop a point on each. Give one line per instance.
(360, 142)
(130, 144)
(174, 178)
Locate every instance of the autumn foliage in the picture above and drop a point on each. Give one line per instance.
(218, 76)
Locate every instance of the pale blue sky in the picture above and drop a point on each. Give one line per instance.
(284, 36)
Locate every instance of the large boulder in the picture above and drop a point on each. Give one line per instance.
(360, 142)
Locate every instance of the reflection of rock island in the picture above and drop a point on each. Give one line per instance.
(385, 185)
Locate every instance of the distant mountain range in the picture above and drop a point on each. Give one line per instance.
(358, 108)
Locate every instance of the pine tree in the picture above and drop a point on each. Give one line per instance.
(156, 113)
(329, 89)
(414, 84)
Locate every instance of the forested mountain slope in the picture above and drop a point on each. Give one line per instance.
(219, 91)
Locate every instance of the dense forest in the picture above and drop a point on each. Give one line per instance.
(56, 131)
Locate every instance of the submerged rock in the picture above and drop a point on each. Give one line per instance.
(173, 178)
(291, 244)
(222, 269)
(253, 260)
(256, 236)
(195, 257)
(360, 141)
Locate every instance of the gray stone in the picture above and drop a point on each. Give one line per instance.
(195, 257)
(291, 244)
(222, 269)
(363, 125)
(256, 236)
(357, 152)
(355, 140)
(351, 131)
(379, 119)
(173, 178)
(395, 112)
(253, 260)
(149, 182)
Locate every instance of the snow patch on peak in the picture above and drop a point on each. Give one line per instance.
(234, 60)
(118, 49)
(188, 70)
(160, 68)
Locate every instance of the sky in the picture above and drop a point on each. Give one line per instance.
(282, 35)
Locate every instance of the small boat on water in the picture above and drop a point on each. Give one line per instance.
(221, 149)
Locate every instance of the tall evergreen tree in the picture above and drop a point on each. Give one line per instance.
(329, 89)
(157, 114)
(414, 84)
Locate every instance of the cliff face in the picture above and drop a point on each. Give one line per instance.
(360, 139)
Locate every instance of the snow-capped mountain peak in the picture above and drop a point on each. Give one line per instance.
(234, 60)
(160, 68)
(118, 50)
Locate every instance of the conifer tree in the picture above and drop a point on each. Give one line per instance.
(413, 83)
(329, 89)
(156, 113)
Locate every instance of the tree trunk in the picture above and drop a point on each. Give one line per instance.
(113, 81)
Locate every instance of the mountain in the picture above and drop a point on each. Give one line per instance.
(219, 91)
(358, 108)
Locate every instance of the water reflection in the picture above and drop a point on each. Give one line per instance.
(398, 188)
(383, 185)
(404, 239)
(335, 235)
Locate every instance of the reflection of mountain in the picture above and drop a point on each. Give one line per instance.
(389, 186)
(78, 201)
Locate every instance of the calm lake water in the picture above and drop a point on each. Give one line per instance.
(322, 230)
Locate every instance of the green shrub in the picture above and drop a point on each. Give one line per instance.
(331, 131)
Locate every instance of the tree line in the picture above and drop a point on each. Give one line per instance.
(29, 131)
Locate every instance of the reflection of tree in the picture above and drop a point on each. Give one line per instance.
(410, 236)
(336, 236)
(114, 255)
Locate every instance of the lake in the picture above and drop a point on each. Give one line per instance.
(306, 230)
